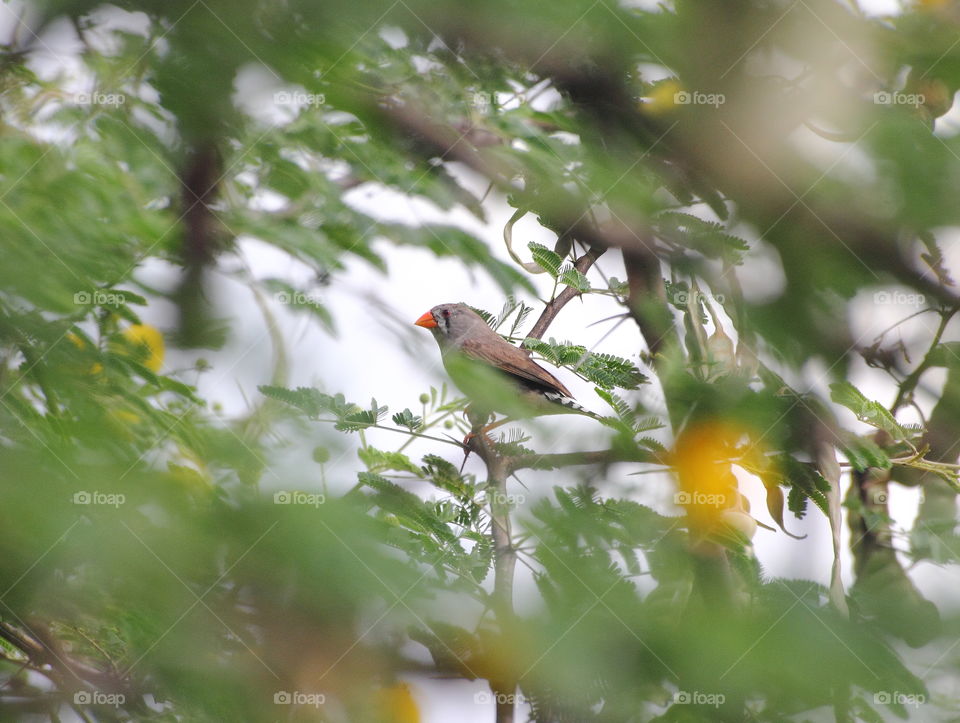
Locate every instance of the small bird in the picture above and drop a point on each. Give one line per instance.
(492, 372)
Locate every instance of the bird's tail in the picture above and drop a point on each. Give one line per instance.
(571, 404)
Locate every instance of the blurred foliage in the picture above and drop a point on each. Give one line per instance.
(768, 172)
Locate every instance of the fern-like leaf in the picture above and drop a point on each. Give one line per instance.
(604, 370)
(709, 238)
(549, 260)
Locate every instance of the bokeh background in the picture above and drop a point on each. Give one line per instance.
(205, 204)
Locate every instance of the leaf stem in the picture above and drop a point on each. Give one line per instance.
(400, 431)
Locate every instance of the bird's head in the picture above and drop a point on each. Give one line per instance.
(450, 323)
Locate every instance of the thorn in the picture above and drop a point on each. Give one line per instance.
(454, 439)
(519, 481)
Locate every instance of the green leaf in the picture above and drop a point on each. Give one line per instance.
(571, 277)
(361, 420)
(547, 259)
(621, 288)
(350, 417)
(604, 370)
(309, 400)
(510, 307)
(873, 413)
(378, 460)
(863, 453)
(407, 419)
(707, 237)
(805, 480)
(413, 511)
(129, 297)
(443, 474)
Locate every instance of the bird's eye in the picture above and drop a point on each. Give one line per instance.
(446, 313)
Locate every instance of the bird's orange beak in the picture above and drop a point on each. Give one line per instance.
(426, 321)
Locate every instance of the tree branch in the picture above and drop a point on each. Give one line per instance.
(47, 656)
(648, 300)
(883, 586)
(569, 459)
(202, 240)
(647, 304)
(504, 683)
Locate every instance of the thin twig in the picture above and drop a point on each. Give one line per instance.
(567, 459)
(910, 383)
(400, 431)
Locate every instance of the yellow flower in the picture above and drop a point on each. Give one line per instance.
(397, 704)
(148, 338)
(124, 417)
(703, 463)
(663, 97)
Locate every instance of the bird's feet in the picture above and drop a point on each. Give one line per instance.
(479, 441)
(474, 438)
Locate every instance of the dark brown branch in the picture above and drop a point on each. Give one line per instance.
(648, 299)
(199, 179)
(202, 241)
(647, 302)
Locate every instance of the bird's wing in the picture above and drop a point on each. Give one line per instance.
(512, 360)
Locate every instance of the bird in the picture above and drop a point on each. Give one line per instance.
(493, 373)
